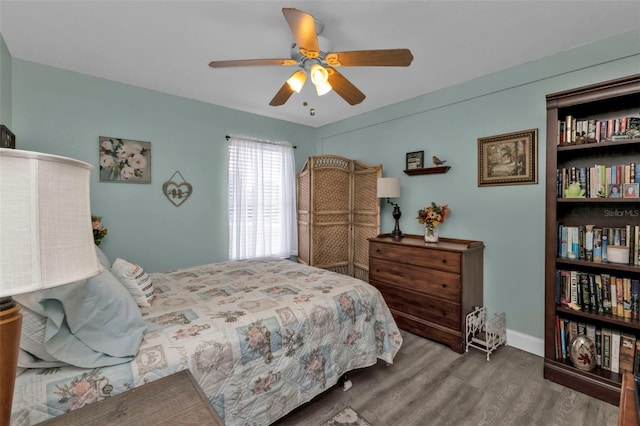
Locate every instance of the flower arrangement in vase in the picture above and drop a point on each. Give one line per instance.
(432, 216)
(98, 231)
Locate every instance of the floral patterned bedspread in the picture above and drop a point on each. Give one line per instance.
(260, 336)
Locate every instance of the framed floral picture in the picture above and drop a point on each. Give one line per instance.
(124, 160)
(508, 159)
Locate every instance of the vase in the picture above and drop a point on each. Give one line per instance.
(431, 234)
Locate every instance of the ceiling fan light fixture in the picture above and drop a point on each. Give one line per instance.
(297, 80)
(319, 74)
(323, 88)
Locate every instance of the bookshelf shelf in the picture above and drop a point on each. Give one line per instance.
(598, 200)
(607, 266)
(610, 319)
(428, 171)
(604, 105)
(598, 146)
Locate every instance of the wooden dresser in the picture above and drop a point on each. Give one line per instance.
(429, 287)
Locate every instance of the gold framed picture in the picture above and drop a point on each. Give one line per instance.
(508, 159)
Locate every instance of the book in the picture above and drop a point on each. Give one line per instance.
(564, 242)
(591, 331)
(614, 295)
(599, 293)
(606, 293)
(574, 287)
(604, 243)
(635, 295)
(627, 352)
(563, 339)
(583, 280)
(588, 243)
(593, 293)
(626, 297)
(636, 358)
(615, 350)
(573, 331)
(598, 343)
(606, 348)
(632, 244)
(559, 331)
(619, 297)
(598, 252)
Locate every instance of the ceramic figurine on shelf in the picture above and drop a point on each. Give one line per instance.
(437, 161)
(574, 191)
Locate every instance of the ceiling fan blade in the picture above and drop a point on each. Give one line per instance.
(344, 87)
(251, 63)
(375, 58)
(282, 96)
(303, 28)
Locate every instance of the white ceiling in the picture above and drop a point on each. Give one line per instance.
(166, 45)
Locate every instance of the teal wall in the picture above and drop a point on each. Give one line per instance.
(508, 219)
(62, 112)
(5, 84)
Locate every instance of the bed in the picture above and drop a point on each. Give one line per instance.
(260, 336)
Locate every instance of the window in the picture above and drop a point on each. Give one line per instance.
(262, 206)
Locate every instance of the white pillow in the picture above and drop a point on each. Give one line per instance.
(135, 279)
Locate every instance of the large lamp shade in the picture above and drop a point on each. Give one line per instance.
(46, 240)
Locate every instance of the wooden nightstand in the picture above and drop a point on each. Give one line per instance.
(173, 400)
(429, 288)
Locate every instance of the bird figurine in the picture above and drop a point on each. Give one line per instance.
(437, 161)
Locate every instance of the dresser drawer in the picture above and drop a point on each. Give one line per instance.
(422, 280)
(428, 258)
(419, 305)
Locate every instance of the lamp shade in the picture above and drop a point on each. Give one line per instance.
(296, 81)
(46, 236)
(388, 187)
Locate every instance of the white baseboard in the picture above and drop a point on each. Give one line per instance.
(525, 342)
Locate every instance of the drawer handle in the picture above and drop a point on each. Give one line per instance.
(444, 314)
(444, 260)
(377, 250)
(443, 285)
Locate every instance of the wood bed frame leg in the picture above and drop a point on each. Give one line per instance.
(344, 382)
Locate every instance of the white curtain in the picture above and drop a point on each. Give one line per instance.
(262, 199)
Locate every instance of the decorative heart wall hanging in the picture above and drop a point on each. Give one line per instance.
(177, 192)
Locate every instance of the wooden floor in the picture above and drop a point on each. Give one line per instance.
(429, 384)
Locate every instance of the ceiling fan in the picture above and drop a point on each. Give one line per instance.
(311, 52)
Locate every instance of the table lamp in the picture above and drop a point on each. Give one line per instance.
(46, 240)
(390, 188)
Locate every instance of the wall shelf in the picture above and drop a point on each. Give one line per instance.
(428, 171)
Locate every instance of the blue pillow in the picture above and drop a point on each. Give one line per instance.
(91, 323)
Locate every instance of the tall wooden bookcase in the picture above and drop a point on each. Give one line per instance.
(338, 211)
(604, 101)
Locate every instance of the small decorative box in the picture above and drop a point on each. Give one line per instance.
(618, 254)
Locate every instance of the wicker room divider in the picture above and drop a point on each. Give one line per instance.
(338, 211)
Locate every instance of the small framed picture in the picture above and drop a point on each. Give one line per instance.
(614, 191)
(415, 160)
(124, 160)
(630, 190)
